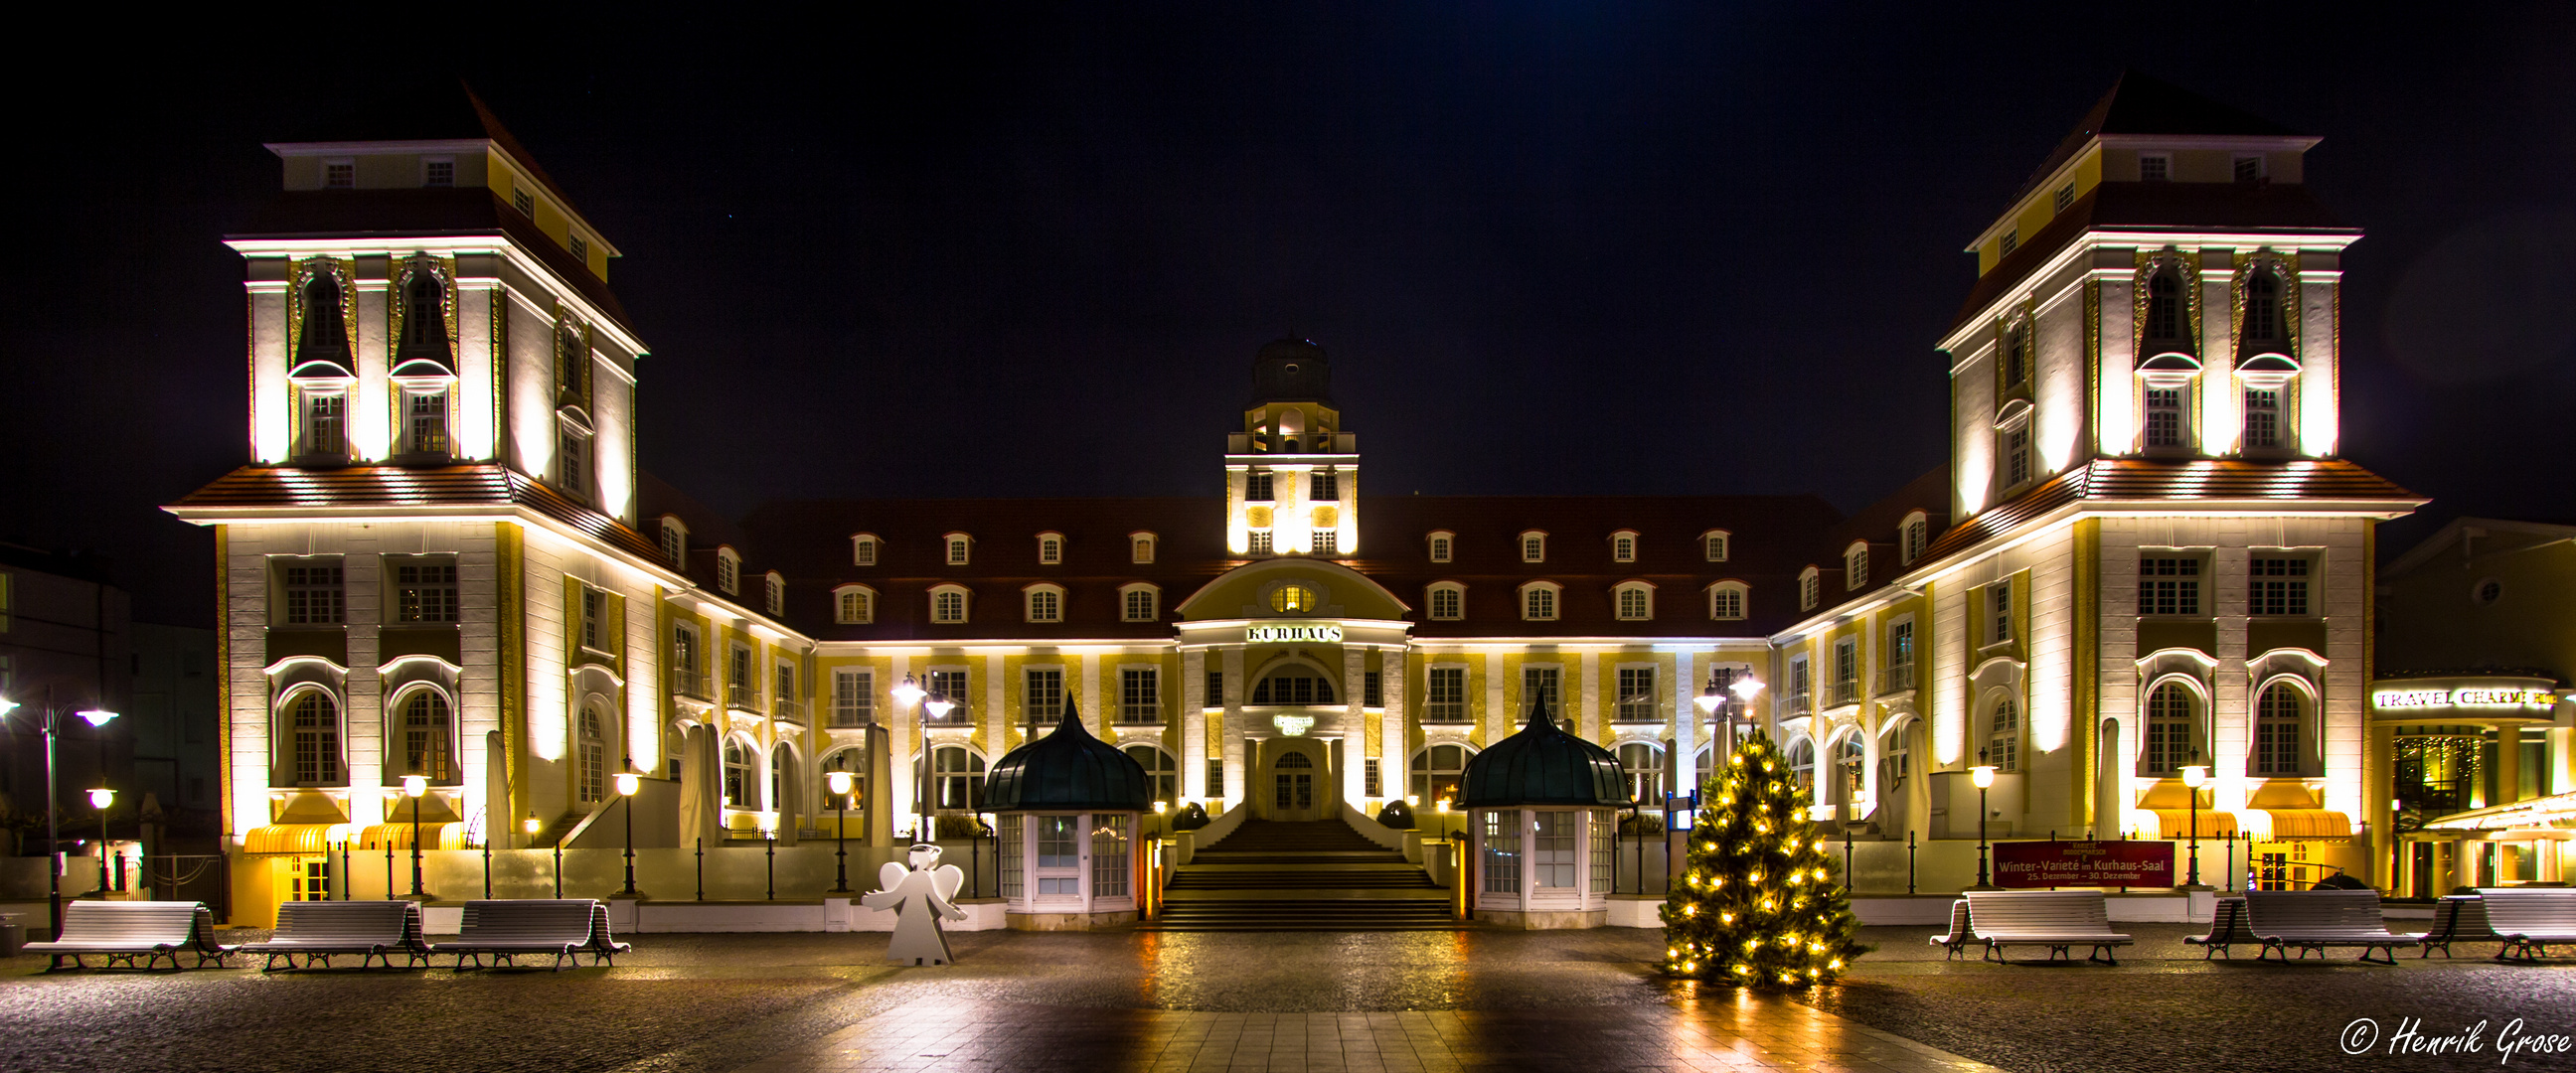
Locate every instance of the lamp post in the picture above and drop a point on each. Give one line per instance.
(627, 783)
(2193, 775)
(769, 836)
(52, 724)
(936, 705)
(839, 782)
(1984, 776)
(99, 799)
(413, 786)
(1713, 699)
(907, 694)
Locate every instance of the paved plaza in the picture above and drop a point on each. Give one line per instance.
(1420, 1001)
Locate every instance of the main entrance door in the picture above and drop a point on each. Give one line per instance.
(1292, 787)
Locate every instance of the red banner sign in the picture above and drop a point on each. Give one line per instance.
(2084, 864)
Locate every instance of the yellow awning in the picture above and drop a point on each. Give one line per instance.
(301, 838)
(2298, 823)
(2176, 823)
(398, 836)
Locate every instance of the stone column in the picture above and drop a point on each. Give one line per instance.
(1391, 740)
(1236, 778)
(1092, 717)
(1683, 762)
(1194, 705)
(1354, 720)
(904, 743)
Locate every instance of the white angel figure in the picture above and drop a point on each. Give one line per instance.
(919, 896)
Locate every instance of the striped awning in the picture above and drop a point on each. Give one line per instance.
(299, 838)
(398, 836)
(2177, 823)
(2289, 824)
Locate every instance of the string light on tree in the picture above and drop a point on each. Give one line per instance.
(1762, 910)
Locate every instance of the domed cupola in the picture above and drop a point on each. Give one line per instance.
(1542, 765)
(1069, 771)
(1291, 370)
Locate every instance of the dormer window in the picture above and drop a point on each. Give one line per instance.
(728, 571)
(2155, 167)
(1726, 601)
(524, 201)
(960, 548)
(1856, 567)
(1448, 601)
(948, 604)
(675, 541)
(2010, 242)
(1139, 603)
(1050, 549)
(1043, 603)
(1140, 547)
(774, 590)
(1533, 547)
(854, 605)
(863, 549)
(1623, 547)
(1913, 538)
(1635, 601)
(1538, 601)
(1811, 589)
(580, 249)
(2065, 197)
(1713, 545)
(1441, 542)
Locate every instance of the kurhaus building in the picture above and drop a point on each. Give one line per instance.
(443, 559)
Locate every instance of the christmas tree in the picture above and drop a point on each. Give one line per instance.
(1757, 902)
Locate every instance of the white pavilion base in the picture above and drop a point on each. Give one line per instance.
(626, 916)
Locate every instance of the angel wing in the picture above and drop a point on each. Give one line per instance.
(890, 875)
(946, 879)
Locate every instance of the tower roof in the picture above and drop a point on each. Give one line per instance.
(436, 110)
(1067, 771)
(1291, 370)
(1542, 765)
(2140, 103)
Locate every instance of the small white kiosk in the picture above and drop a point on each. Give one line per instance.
(1543, 824)
(1068, 805)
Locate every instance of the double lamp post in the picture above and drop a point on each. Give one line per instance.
(100, 798)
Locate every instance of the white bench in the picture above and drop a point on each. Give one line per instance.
(322, 930)
(2227, 927)
(2457, 918)
(2316, 919)
(503, 929)
(2530, 919)
(1962, 934)
(2057, 919)
(124, 931)
(602, 948)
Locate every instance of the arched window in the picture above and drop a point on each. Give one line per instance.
(2016, 364)
(1045, 603)
(591, 754)
(1851, 769)
(2278, 716)
(2165, 306)
(1895, 759)
(1914, 537)
(1435, 774)
(324, 340)
(2263, 321)
(428, 736)
(1448, 601)
(1294, 684)
(948, 605)
(778, 776)
(424, 322)
(313, 728)
(1856, 566)
(1726, 601)
(572, 362)
(2171, 741)
(855, 605)
(2003, 736)
(1538, 601)
(1636, 601)
(737, 774)
(1811, 589)
(1643, 765)
(1802, 768)
(1703, 767)
(957, 779)
(1140, 603)
(1160, 770)
(1295, 599)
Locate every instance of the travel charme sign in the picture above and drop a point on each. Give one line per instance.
(2411, 697)
(1289, 633)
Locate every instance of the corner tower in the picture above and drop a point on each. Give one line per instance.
(1292, 474)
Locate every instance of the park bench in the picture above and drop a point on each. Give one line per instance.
(2457, 918)
(1961, 935)
(2057, 919)
(124, 931)
(2530, 919)
(2228, 926)
(602, 948)
(321, 930)
(2317, 919)
(506, 928)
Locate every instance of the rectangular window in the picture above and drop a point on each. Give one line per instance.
(1328, 542)
(1215, 695)
(1918, 538)
(958, 548)
(952, 685)
(1900, 645)
(776, 596)
(1800, 683)
(2278, 586)
(438, 173)
(1256, 486)
(425, 592)
(1637, 695)
(1140, 549)
(948, 606)
(1056, 848)
(863, 552)
(2154, 167)
(573, 466)
(326, 430)
(314, 596)
(1369, 775)
(1109, 856)
(739, 664)
(675, 544)
(1140, 697)
(728, 574)
(854, 697)
(1846, 663)
(340, 174)
(1050, 551)
(2164, 417)
(1715, 547)
(1534, 548)
(1552, 860)
(1538, 686)
(2249, 168)
(1440, 549)
(1216, 777)
(1636, 604)
(426, 422)
(1324, 486)
(1261, 542)
(1008, 864)
(2017, 455)
(580, 249)
(783, 676)
(1623, 549)
(2065, 197)
(1999, 608)
(2168, 585)
(523, 201)
(2262, 417)
(1856, 569)
(594, 609)
(1605, 843)
(1446, 699)
(1372, 690)
(1502, 852)
(2011, 241)
(1811, 591)
(1044, 687)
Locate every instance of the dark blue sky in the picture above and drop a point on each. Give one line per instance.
(1553, 248)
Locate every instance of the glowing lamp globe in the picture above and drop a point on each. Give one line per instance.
(1747, 686)
(1983, 774)
(2194, 775)
(909, 691)
(839, 781)
(96, 717)
(100, 798)
(415, 785)
(628, 782)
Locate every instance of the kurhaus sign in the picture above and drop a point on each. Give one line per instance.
(1292, 633)
(2462, 695)
(2084, 864)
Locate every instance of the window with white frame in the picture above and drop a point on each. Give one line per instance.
(1636, 601)
(1999, 612)
(1042, 692)
(572, 458)
(1448, 602)
(2249, 167)
(1846, 664)
(948, 605)
(2013, 443)
(1140, 696)
(1441, 543)
(1328, 542)
(2279, 715)
(1811, 589)
(424, 590)
(425, 422)
(1533, 547)
(1538, 602)
(524, 200)
(1140, 547)
(591, 756)
(429, 736)
(1726, 601)
(1444, 699)
(2010, 242)
(2165, 412)
(737, 774)
(310, 592)
(1140, 603)
(594, 619)
(953, 685)
(2277, 585)
(2262, 418)
(1435, 773)
(1539, 685)
(2155, 167)
(1914, 538)
(1261, 542)
(1712, 545)
(312, 719)
(1324, 486)
(1045, 603)
(960, 548)
(580, 248)
(1502, 866)
(855, 605)
(1623, 547)
(1256, 486)
(675, 542)
(863, 550)
(2172, 717)
(2003, 737)
(1637, 695)
(1900, 654)
(2169, 583)
(775, 594)
(1161, 771)
(1050, 549)
(728, 571)
(1856, 567)
(326, 424)
(2016, 352)
(438, 171)
(854, 697)
(340, 174)
(1801, 683)
(958, 779)
(2065, 197)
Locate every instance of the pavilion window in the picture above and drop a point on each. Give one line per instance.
(1502, 852)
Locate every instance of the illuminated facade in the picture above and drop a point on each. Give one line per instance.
(444, 561)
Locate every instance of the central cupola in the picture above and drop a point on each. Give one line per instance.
(1292, 474)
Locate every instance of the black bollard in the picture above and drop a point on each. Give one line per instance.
(1909, 862)
(702, 868)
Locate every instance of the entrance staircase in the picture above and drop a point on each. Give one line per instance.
(1272, 875)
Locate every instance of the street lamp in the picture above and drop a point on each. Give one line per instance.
(1984, 776)
(52, 724)
(413, 786)
(627, 783)
(839, 782)
(934, 705)
(769, 835)
(2193, 775)
(99, 799)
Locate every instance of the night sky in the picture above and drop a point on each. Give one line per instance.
(1552, 248)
